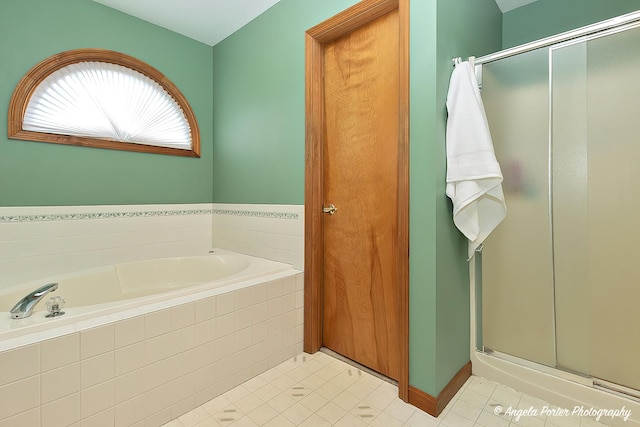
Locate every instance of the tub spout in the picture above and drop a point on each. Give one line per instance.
(25, 306)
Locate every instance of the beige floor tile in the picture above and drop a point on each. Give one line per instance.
(236, 393)
(208, 422)
(421, 419)
(346, 401)
(245, 422)
(255, 383)
(473, 398)
(386, 420)
(400, 410)
(299, 373)
(528, 422)
(315, 421)
(281, 402)
(387, 388)
(314, 401)
(365, 412)
(314, 365)
(350, 420)
(328, 390)
(454, 420)
(298, 392)
(249, 403)
(360, 390)
(328, 371)
(371, 381)
(485, 419)
(481, 386)
(279, 421)
(466, 410)
(228, 415)
(193, 417)
(297, 413)
(380, 399)
(313, 382)
(267, 392)
(263, 414)
(316, 390)
(216, 405)
(283, 383)
(331, 412)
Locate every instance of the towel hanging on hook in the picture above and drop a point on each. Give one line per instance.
(474, 177)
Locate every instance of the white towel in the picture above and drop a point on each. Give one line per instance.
(474, 178)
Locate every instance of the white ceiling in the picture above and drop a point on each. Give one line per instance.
(507, 5)
(208, 21)
(211, 21)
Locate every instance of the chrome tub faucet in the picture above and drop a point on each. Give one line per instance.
(25, 306)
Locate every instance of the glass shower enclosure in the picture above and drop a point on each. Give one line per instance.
(560, 276)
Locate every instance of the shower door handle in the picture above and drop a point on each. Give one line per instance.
(329, 209)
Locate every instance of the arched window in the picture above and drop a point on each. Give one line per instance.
(106, 99)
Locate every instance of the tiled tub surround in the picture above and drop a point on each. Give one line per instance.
(148, 364)
(150, 368)
(46, 241)
(274, 232)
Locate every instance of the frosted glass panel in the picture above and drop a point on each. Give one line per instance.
(570, 206)
(517, 278)
(596, 206)
(561, 283)
(613, 94)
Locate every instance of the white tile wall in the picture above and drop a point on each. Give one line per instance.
(147, 370)
(40, 242)
(37, 243)
(274, 232)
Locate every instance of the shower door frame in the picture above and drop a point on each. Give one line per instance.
(589, 30)
(580, 35)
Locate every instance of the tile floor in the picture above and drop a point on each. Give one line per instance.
(319, 390)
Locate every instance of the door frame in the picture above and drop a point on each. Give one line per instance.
(315, 39)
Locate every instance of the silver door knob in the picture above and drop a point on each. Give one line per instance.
(330, 209)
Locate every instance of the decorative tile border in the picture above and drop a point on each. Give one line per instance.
(101, 215)
(258, 214)
(144, 214)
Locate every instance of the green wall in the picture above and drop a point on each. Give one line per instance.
(549, 17)
(465, 27)
(439, 278)
(422, 201)
(259, 149)
(259, 142)
(258, 105)
(50, 174)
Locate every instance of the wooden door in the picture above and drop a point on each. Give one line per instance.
(356, 260)
(360, 167)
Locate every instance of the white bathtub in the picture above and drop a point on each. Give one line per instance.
(144, 342)
(99, 294)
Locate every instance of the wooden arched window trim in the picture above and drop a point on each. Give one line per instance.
(34, 77)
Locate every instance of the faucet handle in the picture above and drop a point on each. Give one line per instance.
(54, 306)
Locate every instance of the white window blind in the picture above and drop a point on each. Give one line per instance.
(108, 101)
